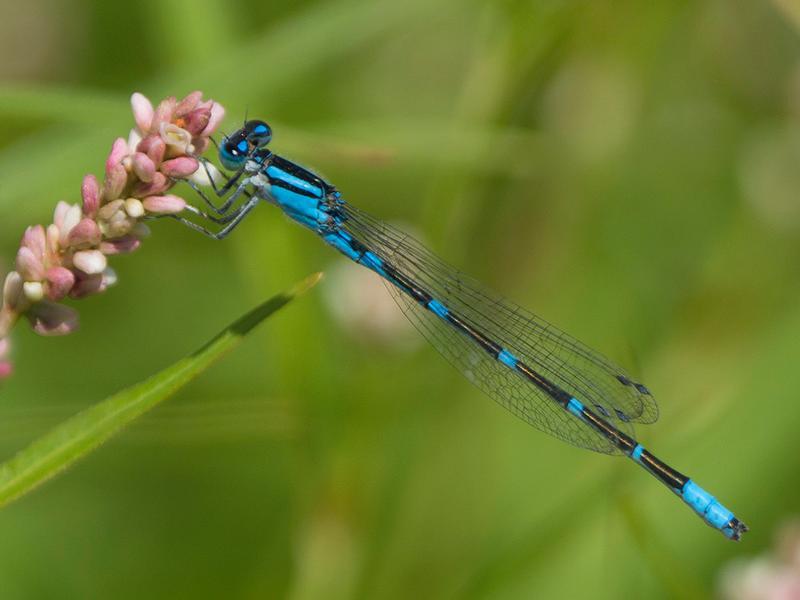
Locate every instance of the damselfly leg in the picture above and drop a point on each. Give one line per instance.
(226, 214)
(230, 220)
(220, 192)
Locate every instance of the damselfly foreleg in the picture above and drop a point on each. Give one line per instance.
(231, 220)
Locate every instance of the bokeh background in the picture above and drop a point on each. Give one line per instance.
(629, 170)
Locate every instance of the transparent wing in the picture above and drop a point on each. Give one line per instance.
(584, 373)
(505, 386)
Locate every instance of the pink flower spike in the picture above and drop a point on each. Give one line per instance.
(159, 185)
(6, 370)
(164, 112)
(144, 167)
(164, 205)
(217, 114)
(188, 104)
(90, 262)
(85, 234)
(123, 245)
(90, 192)
(29, 266)
(180, 167)
(142, 112)
(60, 282)
(154, 147)
(52, 319)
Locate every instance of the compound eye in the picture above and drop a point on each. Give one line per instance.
(258, 133)
(233, 153)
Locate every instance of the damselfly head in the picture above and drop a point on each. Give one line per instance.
(234, 150)
(258, 133)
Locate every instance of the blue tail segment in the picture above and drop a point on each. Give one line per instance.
(711, 511)
(701, 502)
(541, 374)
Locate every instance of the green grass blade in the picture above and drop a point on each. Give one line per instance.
(84, 432)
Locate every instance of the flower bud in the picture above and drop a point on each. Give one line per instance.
(201, 175)
(90, 262)
(180, 167)
(164, 112)
(154, 147)
(143, 167)
(60, 281)
(115, 182)
(134, 208)
(159, 184)
(108, 210)
(66, 219)
(90, 192)
(188, 104)
(34, 290)
(196, 121)
(29, 266)
(164, 205)
(217, 114)
(34, 238)
(177, 139)
(142, 112)
(13, 294)
(53, 245)
(123, 245)
(52, 319)
(85, 234)
(118, 225)
(119, 150)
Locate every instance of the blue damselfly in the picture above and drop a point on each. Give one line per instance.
(539, 373)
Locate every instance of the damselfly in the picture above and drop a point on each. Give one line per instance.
(549, 379)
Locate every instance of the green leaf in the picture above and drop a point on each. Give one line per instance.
(84, 432)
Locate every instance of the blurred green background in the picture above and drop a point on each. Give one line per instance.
(628, 170)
